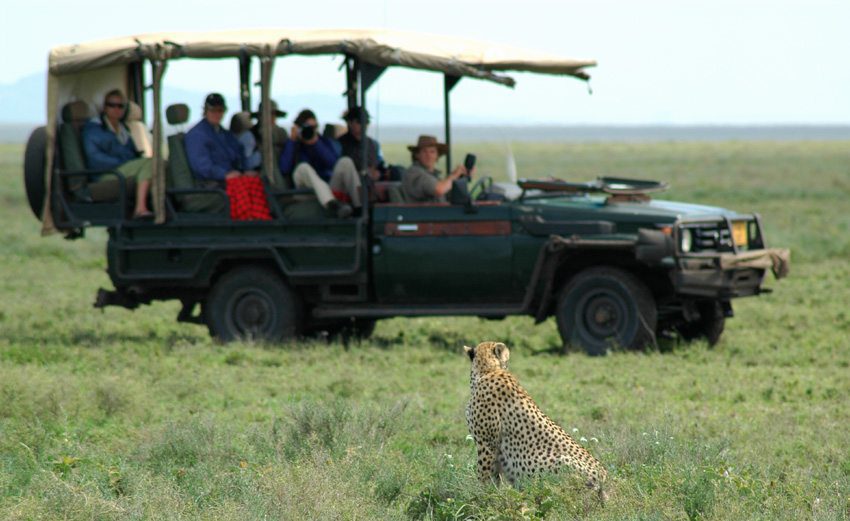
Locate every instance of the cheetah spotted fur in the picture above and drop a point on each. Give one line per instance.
(513, 437)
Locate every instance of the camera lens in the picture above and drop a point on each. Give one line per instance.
(308, 132)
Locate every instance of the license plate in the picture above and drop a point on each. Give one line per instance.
(739, 233)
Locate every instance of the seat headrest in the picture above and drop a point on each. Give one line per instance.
(240, 122)
(177, 114)
(76, 112)
(134, 112)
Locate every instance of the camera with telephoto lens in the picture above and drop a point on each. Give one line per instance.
(306, 132)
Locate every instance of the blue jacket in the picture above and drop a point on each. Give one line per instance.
(212, 154)
(102, 148)
(321, 155)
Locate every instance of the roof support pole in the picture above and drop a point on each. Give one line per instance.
(245, 80)
(449, 83)
(266, 68)
(364, 146)
(351, 83)
(158, 177)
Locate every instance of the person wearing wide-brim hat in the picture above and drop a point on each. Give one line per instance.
(421, 182)
(279, 134)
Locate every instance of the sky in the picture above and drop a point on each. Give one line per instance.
(659, 62)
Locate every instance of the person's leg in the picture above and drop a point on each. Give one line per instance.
(142, 190)
(305, 176)
(141, 170)
(346, 179)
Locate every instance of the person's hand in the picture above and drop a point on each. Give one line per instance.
(293, 134)
(459, 171)
(232, 174)
(251, 173)
(375, 174)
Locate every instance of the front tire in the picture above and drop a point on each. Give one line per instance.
(601, 307)
(252, 303)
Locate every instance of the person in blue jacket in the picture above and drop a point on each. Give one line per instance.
(213, 152)
(108, 146)
(312, 161)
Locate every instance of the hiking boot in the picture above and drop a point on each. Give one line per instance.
(334, 208)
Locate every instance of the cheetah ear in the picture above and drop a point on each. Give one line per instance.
(502, 353)
(470, 352)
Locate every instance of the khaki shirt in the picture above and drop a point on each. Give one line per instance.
(420, 185)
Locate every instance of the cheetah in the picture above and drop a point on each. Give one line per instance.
(513, 437)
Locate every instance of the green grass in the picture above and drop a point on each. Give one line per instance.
(129, 415)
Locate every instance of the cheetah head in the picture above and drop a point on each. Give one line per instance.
(488, 356)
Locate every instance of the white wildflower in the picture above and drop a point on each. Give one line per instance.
(583, 439)
(594, 440)
(575, 429)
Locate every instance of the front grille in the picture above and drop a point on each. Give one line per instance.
(710, 237)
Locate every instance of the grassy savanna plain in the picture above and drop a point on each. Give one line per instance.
(129, 415)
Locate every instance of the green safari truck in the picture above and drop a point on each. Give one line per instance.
(613, 265)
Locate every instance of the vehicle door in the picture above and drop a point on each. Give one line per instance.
(441, 253)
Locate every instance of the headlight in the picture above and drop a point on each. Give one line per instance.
(687, 239)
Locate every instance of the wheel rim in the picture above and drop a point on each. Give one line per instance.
(603, 315)
(250, 314)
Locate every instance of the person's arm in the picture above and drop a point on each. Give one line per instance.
(444, 185)
(325, 155)
(96, 157)
(200, 160)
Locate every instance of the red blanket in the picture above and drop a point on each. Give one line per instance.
(247, 199)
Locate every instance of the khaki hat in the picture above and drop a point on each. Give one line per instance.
(276, 112)
(429, 141)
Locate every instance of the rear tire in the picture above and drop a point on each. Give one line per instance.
(34, 164)
(709, 326)
(601, 307)
(252, 303)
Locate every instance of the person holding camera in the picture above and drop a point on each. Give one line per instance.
(421, 182)
(312, 161)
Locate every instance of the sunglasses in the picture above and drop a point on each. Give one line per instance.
(115, 105)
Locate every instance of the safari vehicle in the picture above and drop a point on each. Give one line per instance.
(614, 266)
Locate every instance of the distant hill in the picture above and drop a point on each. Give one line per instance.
(22, 107)
(25, 100)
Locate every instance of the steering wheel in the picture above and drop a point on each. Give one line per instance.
(484, 184)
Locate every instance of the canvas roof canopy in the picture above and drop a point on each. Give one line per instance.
(451, 55)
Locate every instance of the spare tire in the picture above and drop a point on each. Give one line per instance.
(35, 157)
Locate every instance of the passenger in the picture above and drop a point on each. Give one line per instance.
(421, 181)
(108, 146)
(240, 126)
(214, 154)
(312, 162)
(279, 135)
(217, 159)
(352, 143)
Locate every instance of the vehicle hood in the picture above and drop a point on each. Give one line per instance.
(597, 207)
